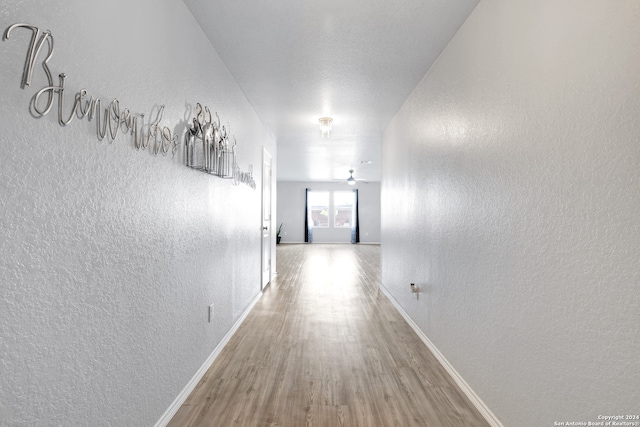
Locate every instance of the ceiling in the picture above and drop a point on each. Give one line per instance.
(355, 61)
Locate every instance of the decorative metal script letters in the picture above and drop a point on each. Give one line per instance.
(207, 144)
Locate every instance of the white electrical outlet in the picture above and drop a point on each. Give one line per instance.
(211, 312)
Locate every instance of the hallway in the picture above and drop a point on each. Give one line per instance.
(324, 347)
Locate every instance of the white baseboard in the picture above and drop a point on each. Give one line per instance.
(329, 243)
(466, 389)
(186, 391)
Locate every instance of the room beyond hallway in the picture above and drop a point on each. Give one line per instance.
(325, 347)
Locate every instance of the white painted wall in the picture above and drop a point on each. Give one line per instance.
(510, 196)
(290, 212)
(110, 256)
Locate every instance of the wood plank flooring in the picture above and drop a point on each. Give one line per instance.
(324, 347)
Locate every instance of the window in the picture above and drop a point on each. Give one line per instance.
(343, 209)
(331, 210)
(319, 205)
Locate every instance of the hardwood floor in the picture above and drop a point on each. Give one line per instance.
(324, 347)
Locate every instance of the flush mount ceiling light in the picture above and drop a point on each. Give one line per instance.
(325, 126)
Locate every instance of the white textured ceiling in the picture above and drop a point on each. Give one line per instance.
(356, 61)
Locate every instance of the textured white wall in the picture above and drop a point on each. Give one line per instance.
(290, 210)
(110, 256)
(510, 196)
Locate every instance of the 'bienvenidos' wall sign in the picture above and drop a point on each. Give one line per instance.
(206, 143)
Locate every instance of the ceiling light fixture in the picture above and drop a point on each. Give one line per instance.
(351, 180)
(325, 126)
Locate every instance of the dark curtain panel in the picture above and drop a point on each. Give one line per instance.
(308, 224)
(355, 224)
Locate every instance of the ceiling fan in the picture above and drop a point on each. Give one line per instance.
(351, 180)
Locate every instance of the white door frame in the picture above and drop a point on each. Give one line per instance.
(266, 219)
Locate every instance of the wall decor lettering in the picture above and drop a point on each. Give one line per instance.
(208, 148)
(207, 144)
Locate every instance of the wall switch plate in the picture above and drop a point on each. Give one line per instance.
(210, 313)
